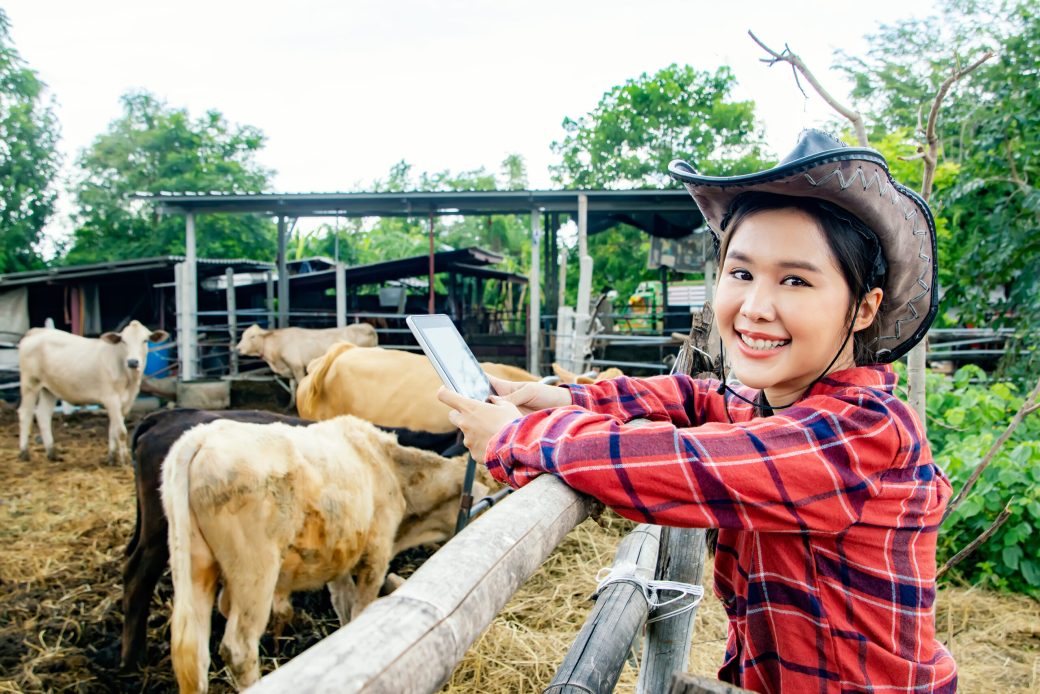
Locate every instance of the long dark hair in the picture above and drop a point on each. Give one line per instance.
(853, 244)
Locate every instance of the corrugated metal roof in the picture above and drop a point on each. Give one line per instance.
(75, 272)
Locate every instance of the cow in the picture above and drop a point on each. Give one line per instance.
(566, 376)
(288, 350)
(147, 552)
(273, 509)
(385, 386)
(107, 371)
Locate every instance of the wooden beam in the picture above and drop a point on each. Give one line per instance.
(595, 659)
(411, 640)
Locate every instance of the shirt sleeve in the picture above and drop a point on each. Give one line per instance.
(678, 399)
(812, 467)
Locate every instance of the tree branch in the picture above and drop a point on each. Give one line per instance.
(976, 543)
(797, 65)
(1030, 405)
(932, 153)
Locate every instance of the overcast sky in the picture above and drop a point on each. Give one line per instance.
(344, 89)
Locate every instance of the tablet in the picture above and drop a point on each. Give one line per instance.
(450, 355)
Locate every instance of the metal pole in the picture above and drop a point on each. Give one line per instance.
(283, 276)
(582, 308)
(232, 317)
(534, 313)
(341, 294)
(431, 307)
(269, 279)
(190, 288)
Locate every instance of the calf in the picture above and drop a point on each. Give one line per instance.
(107, 371)
(147, 553)
(273, 509)
(288, 350)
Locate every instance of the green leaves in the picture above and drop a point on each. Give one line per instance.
(29, 159)
(154, 148)
(641, 125)
(966, 415)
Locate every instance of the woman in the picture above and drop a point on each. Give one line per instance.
(820, 480)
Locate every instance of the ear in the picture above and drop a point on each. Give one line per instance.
(868, 309)
(159, 336)
(112, 338)
(584, 380)
(564, 375)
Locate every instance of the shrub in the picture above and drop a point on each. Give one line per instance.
(966, 414)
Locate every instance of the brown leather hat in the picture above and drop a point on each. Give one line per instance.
(857, 180)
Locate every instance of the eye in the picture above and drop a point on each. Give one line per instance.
(740, 274)
(795, 281)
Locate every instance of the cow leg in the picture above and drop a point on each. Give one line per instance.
(142, 571)
(369, 575)
(251, 596)
(343, 592)
(118, 452)
(44, 414)
(26, 410)
(282, 613)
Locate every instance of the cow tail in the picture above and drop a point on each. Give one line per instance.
(308, 398)
(184, 626)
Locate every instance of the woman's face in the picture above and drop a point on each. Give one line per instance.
(782, 304)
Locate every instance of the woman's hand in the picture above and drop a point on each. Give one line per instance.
(479, 421)
(530, 397)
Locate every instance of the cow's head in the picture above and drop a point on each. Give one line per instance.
(252, 342)
(134, 339)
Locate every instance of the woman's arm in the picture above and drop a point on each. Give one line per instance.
(811, 468)
(678, 399)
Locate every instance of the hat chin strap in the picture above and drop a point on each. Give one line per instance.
(764, 405)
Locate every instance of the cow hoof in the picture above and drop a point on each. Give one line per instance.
(53, 455)
(390, 584)
(23, 455)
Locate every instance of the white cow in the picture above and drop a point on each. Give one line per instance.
(288, 350)
(270, 509)
(107, 371)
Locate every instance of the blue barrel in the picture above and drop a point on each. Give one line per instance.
(159, 359)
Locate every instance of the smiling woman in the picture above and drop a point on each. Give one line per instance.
(819, 479)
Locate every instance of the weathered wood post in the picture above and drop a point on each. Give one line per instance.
(684, 683)
(595, 659)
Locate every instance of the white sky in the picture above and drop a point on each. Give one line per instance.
(344, 89)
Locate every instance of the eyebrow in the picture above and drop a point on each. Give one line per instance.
(790, 264)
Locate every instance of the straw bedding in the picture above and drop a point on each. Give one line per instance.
(64, 527)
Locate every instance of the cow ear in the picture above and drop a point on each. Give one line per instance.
(159, 336)
(113, 338)
(583, 380)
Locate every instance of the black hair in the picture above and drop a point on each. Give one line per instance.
(854, 245)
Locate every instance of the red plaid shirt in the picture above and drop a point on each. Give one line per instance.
(828, 513)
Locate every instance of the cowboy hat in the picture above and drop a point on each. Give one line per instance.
(857, 180)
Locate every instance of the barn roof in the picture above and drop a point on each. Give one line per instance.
(667, 213)
(207, 267)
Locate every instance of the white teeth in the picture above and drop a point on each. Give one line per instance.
(762, 344)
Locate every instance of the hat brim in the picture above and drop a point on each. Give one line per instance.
(857, 180)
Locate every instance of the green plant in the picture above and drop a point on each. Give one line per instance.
(966, 415)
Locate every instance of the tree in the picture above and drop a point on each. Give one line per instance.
(638, 127)
(29, 159)
(989, 134)
(632, 134)
(152, 148)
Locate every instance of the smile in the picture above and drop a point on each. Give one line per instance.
(762, 344)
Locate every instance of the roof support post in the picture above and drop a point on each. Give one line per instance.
(431, 309)
(534, 313)
(187, 304)
(283, 276)
(582, 310)
(341, 294)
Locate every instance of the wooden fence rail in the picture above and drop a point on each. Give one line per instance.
(411, 640)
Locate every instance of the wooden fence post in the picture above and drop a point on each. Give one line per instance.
(684, 683)
(595, 659)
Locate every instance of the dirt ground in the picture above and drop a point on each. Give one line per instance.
(64, 527)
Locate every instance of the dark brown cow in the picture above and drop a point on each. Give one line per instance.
(148, 553)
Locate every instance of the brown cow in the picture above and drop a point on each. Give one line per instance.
(273, 509)
(107, 371)
(388, 387)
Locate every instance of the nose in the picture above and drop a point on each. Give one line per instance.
(758, 303)
(132, 363)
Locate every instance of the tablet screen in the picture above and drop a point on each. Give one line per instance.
(455, 357)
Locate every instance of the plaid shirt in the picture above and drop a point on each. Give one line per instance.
(828, 513)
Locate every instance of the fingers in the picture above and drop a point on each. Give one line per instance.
(501, 386)
(453, 400)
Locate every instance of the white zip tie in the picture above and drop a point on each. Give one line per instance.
(651, 589)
